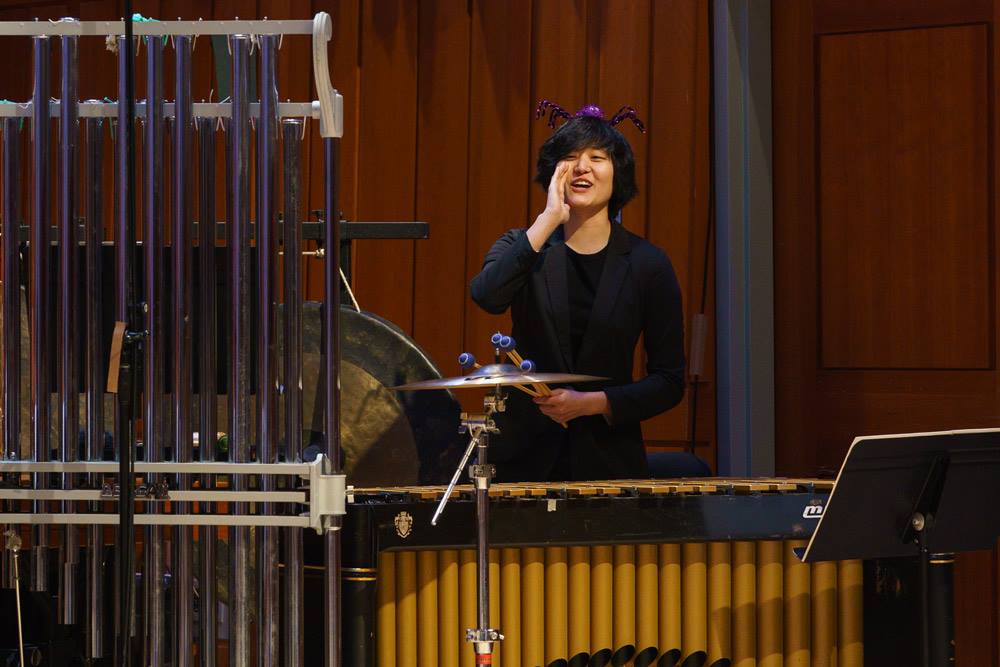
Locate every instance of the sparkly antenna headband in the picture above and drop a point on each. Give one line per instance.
(588, 110)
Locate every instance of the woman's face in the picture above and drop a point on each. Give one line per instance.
(591, 178)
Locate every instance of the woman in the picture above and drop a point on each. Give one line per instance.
(582, 289)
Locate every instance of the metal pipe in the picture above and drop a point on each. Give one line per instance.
(268, 594)
(123, 277)
(240, 592)
(292, 242)
(207, 367)
(331, 377)
(94, 372)
(10, 253)
(131, 316)
(11, 371)
(482, 482)
(38, 299)
(9, 237)
(153, 371)
(69, 397)
(183, 447)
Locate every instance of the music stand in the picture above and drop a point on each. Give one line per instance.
(929, 495)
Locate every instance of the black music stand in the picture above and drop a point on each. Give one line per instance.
(929, 495)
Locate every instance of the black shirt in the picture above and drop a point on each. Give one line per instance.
(583, 277)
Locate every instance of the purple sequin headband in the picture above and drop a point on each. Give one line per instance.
(588, 110)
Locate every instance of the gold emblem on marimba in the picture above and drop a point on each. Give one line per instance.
(404, 524)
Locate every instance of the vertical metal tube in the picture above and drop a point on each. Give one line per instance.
(10, 238)
(94, 371)
(127, 312)
(292, 244)
(10, 256)
(207, 368)
(240, 590)
(184, 558)
(331, 378)
(122, 277)
(267, 404)
(69, 397)
(123, 274)
(38, 297)
(225, 332)
(153, 431)
(482, 541)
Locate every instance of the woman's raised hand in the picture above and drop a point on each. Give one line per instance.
(555, 202)
(556, 209)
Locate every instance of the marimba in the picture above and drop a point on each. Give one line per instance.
(651, 571)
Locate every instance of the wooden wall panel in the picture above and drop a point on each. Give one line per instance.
(620, 76)
(438, 127)
(558, 74)
(442, 185)
(499, 118)
(387, 156)
(976, 608)
(677, 191)
(897, 169)
(903, 199)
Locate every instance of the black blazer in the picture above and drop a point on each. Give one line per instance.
(638, 294)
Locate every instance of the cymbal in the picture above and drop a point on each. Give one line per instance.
(497, 375)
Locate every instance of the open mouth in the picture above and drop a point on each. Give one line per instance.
(580, 185)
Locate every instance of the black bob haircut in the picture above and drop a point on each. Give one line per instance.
(589, 132)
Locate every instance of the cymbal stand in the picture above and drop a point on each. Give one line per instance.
(479, 427)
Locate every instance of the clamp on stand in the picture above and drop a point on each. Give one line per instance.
(479, 428)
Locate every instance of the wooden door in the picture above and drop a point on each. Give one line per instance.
(885, 238)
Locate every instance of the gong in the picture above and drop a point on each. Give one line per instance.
(387, 437)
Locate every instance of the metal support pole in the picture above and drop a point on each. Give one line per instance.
(124, 427)
(94, 372)
(183, 447)
(128, 315)
(268, 595)
(333, 592)
(481, 479)
(292, 243)
(38, 300)
(480, 427)
(240, 591)
(69, 397)
(10, 255)
(207, 366)
(937, 581)
(153, 367)
(9, 237)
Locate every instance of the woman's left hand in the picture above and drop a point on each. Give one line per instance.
(565, 404)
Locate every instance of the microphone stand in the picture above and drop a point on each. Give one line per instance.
(128, 337)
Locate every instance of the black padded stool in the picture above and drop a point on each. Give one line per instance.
(669, 465)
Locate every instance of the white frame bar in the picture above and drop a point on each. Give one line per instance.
(325, 495)
(97, 109)
(163, 467)
(303, 521)
(331, 104)
(94, 495)
(71, 26)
